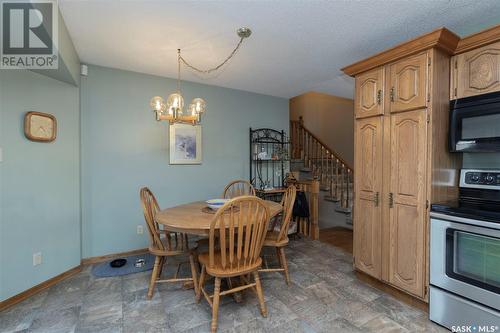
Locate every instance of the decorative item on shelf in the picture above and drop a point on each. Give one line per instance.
(185, 144)
(262, 155)
(173, 109)
(290, 179)
(40, 127)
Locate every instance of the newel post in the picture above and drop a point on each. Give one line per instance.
(314, 209)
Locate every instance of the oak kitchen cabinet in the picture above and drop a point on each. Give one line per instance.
(408, 81)
(407, 200)
(369, 90)
(476, 72)
(402, 161)
(368, 156)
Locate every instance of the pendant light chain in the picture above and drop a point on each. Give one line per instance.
(208, 71)
(172, 108)
(179, 71)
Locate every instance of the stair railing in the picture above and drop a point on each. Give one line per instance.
(333, 173)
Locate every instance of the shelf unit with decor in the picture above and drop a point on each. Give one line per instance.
(269, 161)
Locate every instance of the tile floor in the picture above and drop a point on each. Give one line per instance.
(324, 296)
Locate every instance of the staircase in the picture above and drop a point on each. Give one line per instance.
(315, 160)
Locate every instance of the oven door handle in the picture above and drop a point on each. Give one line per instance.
(462, 221)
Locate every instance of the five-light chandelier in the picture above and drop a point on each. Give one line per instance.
(173, 109)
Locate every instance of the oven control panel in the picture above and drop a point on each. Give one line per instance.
(488, 179)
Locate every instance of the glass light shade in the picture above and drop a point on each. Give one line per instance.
(175, 104)
(197, 106)
(158, 104)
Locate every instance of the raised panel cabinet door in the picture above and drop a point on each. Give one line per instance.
(407, 201)
(367, 205)
(408, 83)
(369, 93)
(476, 72)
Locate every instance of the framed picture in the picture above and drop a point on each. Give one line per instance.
(185, 144)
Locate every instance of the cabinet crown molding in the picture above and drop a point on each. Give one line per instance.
(481, 38)
(441, 38)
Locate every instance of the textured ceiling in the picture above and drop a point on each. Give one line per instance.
(296, 46)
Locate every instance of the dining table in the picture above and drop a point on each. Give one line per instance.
(195, 217)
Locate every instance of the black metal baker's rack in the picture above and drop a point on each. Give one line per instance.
(269, 160)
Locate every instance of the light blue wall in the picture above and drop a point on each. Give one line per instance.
(124, 148)
(39, 182)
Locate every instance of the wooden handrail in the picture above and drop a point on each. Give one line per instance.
(333, 172)
(334, 153)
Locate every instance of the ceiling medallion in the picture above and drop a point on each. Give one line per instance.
(173, 108)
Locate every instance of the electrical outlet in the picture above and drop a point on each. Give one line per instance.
(140, 229)
(37, 258)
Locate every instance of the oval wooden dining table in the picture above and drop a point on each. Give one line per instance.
(191, 219)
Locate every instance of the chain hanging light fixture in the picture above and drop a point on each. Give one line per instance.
(173, 109)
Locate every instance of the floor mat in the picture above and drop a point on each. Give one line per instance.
(105, 270)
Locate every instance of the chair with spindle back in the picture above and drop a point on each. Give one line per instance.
(279, 239)
(238, 188)
(236, 236)
(164, 243)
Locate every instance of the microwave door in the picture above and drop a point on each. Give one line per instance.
(475, 128)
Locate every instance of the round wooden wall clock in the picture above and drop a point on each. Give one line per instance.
(41, 127)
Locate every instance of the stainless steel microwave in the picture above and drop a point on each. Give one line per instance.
(475, 123)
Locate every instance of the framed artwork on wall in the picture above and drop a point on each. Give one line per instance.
(185, 144)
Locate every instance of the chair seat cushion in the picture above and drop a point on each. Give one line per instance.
(237, 268)
(272, 239)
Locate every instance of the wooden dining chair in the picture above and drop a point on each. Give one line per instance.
(238, 188)
(236, 237)
(164, 244)
(279, 238)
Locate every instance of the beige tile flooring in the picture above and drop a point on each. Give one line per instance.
(325, 296)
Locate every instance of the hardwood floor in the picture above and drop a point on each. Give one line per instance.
(337, 236)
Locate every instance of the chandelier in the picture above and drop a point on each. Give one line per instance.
(173, 109)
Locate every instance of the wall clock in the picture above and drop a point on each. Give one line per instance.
(40, 126)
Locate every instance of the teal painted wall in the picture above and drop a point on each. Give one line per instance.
(124, 148)
(39, 182)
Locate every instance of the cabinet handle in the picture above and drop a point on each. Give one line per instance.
(392, 94)
(379, 96)
(376, 199)
(391, 200)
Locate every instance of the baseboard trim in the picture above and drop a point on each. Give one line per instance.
(99, 259)
(38, 288)
(58, 278)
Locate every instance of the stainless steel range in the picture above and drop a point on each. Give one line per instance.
(465, 255)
